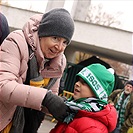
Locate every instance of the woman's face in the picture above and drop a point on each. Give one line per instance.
(82, 90)
(52, 46)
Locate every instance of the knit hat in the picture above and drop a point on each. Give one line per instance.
(99, 78)
(130, 82)
(57, 22)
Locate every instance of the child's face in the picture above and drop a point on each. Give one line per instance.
(82, 90)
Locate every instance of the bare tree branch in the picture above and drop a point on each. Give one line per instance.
(98, 16)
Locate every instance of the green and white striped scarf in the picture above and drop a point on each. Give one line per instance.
(121, 107)
(88, 104)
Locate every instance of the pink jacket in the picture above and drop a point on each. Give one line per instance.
(103, 121)
(14, 56)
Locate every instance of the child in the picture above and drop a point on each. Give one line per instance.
(89, 110)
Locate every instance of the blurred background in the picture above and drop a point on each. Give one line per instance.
(103, 33)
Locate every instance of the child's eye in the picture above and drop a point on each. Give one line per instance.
(82, 81)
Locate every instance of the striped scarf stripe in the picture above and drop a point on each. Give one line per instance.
(121, 108)
(88, 104)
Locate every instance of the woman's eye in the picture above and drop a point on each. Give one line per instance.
(59, 40)
(55, 39)
(65, 43)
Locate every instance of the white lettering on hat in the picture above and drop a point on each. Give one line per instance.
(97, 87)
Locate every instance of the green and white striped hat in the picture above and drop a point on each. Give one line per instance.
(100, 79)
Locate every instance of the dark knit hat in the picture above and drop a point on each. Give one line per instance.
(100, 79)
(130, 82)
(57, 22)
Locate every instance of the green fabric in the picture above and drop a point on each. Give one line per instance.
(100, 80)
(121, 108)
(88, 104)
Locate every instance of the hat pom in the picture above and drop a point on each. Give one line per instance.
(111, 70)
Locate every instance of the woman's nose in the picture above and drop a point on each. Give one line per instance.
(59, 45)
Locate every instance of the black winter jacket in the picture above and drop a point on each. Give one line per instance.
(4, 28)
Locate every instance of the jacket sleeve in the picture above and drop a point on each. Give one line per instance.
(113, 96)
(13, 67)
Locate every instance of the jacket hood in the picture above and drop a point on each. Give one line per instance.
(107, 116)
(30, 30)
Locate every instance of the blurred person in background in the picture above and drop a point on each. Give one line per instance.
(122, 99)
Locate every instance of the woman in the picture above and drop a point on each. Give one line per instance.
(34, 55)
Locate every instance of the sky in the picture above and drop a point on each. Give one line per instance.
(110, 6)
(124, 6)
